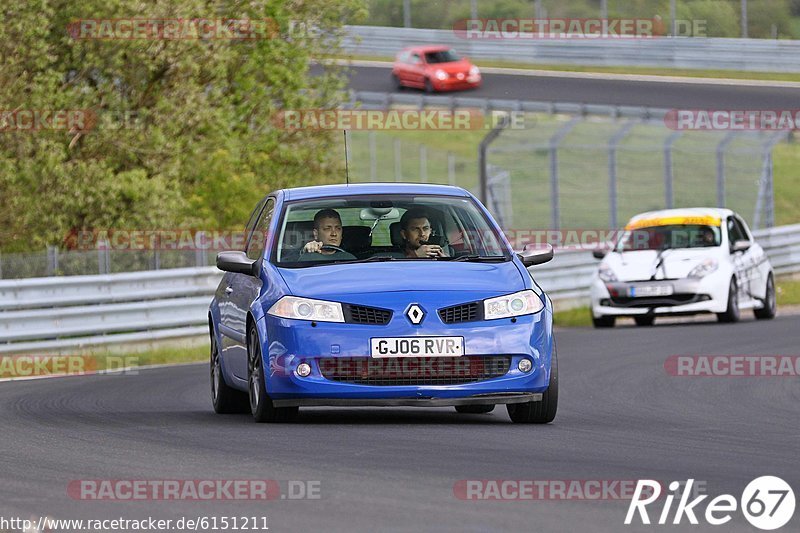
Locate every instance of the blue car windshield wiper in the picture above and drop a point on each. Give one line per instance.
(477, 257)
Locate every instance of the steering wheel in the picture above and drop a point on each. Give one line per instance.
(332, 247)
(328, 246)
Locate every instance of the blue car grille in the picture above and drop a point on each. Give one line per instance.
(460, 313)
(361, 314)
(414, 370)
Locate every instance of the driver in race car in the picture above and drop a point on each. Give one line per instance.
(327, 238)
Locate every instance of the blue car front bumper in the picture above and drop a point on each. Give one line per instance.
(292, 342)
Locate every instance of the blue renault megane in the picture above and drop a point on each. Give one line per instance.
(380, 295)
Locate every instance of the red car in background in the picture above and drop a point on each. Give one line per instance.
(434, 68)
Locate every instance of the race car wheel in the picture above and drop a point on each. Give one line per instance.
(731, 314)
(398, 86)
(544, 411)
(603, 321)
(226, 400)
(770, 303)
(475, 409)
(644, 320)
(260, 403)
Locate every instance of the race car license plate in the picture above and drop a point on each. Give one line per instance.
(650, 290)
(417, 346)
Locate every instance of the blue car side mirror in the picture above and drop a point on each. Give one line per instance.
(237, 262)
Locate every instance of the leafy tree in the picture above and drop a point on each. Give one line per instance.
(185, 134)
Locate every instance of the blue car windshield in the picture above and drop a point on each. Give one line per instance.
(374, 228)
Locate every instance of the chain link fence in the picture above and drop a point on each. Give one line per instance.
(570, 167)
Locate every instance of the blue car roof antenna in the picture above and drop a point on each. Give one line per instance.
(346, 160)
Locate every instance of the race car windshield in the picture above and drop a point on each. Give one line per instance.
(324, 231)
(669, 237)
(442, 56)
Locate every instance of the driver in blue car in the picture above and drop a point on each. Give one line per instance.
(327, 238)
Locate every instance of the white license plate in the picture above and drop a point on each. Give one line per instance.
(650, 290)
(417, 346)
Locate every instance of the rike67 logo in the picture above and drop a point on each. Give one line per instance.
(767, 503)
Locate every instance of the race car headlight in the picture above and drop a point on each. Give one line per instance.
(474, 71)
(307, 309)
(606, 274)
(704, 269)
(517, 304)
(440, 74)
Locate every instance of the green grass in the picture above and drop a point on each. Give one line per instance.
(786, 166)
(788, 292)
(691, 73)
(573, 318)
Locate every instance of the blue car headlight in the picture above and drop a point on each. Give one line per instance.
(520, 303)
(307, 309)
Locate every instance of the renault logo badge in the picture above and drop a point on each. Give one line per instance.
(415, 314)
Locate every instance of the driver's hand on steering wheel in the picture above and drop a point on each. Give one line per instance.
(312, 247)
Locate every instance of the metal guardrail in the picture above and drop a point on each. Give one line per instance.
(69, 313)
(384, 100)
(755, 55)
(72, 312)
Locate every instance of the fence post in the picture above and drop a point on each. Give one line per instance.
(407, 13)
(199, 253)
(1, 265)
(51, 261)
(612, 171)
(451, 168)
(423, 163)
(482, 149)
(103, 259)
(721, 167)
(669, 195)
(373, 157)
(398, 171)
(555, 140)
(744, 19)
(765, 202)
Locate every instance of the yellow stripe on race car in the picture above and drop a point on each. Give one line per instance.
(675, 221)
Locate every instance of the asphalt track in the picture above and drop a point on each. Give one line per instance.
(597, 90)
(621, 417)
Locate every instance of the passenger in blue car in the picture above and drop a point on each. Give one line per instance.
(327, 238)
(415, 228)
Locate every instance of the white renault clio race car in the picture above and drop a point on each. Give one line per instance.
(683, 262)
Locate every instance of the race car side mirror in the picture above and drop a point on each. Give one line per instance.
(742, 246)
(536, 254)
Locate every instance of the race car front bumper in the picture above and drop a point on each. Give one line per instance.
(685, 296)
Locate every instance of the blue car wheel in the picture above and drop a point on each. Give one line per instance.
(260, 403)
(544, 411)
(225, 399)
